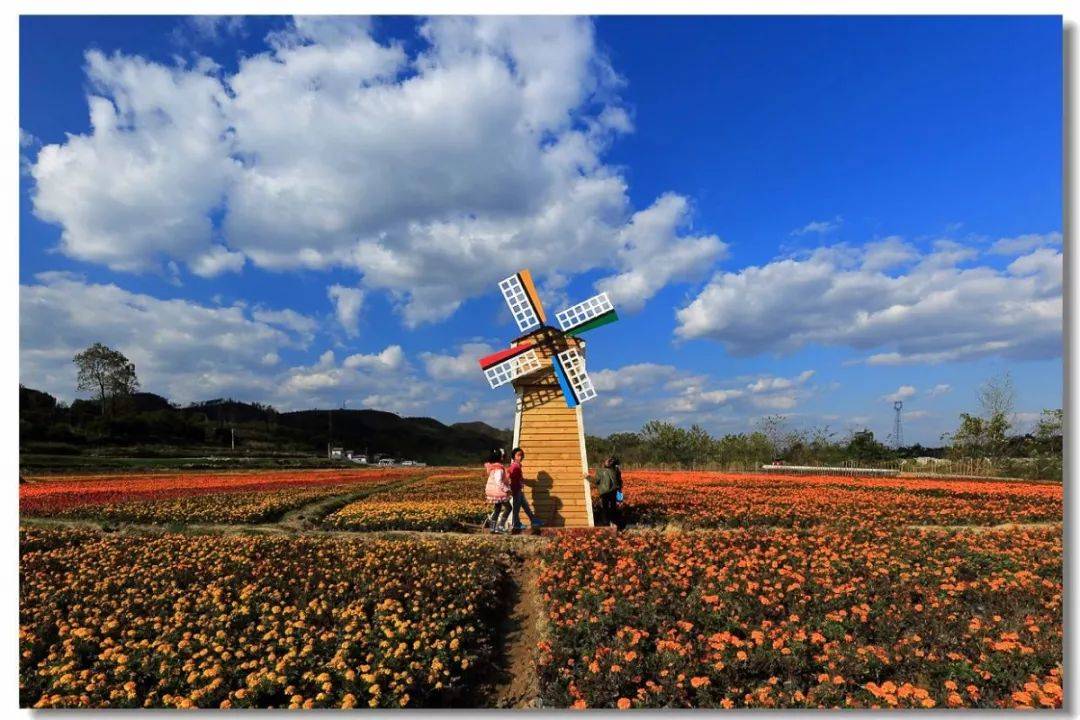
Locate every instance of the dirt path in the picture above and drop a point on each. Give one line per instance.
(307, 517)
(514, 542)
(516, 684)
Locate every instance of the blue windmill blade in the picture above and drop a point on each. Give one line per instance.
(564, 382)
(569, 368)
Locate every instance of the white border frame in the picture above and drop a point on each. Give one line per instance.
(1071, 399)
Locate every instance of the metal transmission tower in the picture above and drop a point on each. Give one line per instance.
(898, 430)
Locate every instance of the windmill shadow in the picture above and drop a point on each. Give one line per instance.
(542, 498)
(537, 395)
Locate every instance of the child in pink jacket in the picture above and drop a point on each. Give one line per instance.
(497, 491)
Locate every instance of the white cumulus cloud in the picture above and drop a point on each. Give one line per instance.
(348, 302)
(140, 187)
(937, 306)
(182, 350)
(461, 366)
(902, 393)
(939, 390)
(187, 351)
(819, 227)
(391, 358)
(430, 174)
(632, 394)
(1022, 244)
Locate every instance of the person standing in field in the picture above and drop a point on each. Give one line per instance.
(497, 491)
(608, 483)
(517, 490)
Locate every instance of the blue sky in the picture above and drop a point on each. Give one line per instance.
(806, 216)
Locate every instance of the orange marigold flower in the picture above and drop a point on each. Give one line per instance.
(1021, 697)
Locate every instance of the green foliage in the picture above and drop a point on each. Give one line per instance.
(862, 445)
(106, 373)
(54, 436)
(662, 443)
(980, 437)
(773, 438)
(1048, 431)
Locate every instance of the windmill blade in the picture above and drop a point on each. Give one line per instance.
(497, 357)
(592, 313)
(569, 368)
(521, 361)
(523, 300)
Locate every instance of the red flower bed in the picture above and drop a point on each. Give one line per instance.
(48, 496)
(690, 479)
(709, 500)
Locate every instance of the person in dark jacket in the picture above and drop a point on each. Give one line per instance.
(608, 483)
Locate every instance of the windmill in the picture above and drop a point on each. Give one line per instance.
(546, 366)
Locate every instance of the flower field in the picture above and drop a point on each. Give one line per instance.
(241, 508)
(420, 514)
(727, 591)
(777, 618)
(715, 500)
(47, 496)
(405, 499)
(216, 621)
(438, 502)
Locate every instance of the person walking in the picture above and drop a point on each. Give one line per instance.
(517, 491)
(497, 491)
(608, 483)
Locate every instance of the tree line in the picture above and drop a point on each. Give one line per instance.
(985, 438)
(121, 421)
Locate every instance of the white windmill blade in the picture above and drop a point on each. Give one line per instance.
(573, 364)
(515, 367)
(522, 306)
(586, 311)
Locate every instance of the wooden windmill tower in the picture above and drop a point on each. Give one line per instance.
(546, 366)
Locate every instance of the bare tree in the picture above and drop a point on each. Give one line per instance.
(777, 430)
(997, 399)
(105, 372)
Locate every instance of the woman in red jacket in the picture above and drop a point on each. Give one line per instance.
(517, 491)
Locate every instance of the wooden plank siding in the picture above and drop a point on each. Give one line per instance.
(550, 434)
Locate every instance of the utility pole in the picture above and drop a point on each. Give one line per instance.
(232, 438)
(344, 417)
(898, 430)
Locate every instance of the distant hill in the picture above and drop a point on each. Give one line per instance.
(507, 436)
(150, 424)
(419, 438)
